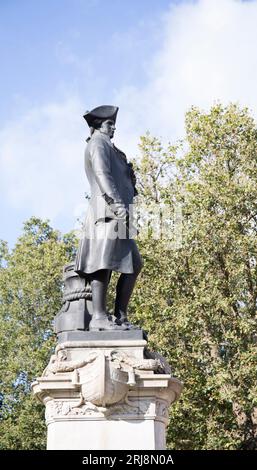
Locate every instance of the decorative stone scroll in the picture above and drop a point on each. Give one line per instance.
(102, 383)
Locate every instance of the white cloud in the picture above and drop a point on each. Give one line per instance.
(40, 155)
(208, 54)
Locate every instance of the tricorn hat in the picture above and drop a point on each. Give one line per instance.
(101, 113)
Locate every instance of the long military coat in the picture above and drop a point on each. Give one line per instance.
(105, 243)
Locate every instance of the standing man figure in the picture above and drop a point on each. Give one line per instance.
(106, 245)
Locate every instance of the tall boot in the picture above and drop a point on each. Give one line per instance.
(124, 291)
(100, 320)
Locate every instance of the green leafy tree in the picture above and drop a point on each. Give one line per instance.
(198, 300)
(30, 296)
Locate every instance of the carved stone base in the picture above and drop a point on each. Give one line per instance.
(106, 395)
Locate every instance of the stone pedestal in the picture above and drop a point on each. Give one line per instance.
(107, 393)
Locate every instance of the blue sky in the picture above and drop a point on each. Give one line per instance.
(153, 58)
(52, 47)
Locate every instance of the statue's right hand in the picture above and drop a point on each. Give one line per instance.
(120, 211)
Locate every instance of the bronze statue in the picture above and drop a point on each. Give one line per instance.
(107, 244)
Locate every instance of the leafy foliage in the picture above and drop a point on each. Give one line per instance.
(30, 296)
(198, 301)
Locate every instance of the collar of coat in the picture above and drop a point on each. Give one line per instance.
(107, 139)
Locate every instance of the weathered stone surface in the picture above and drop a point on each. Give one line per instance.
(100, 335)
(106, 395)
